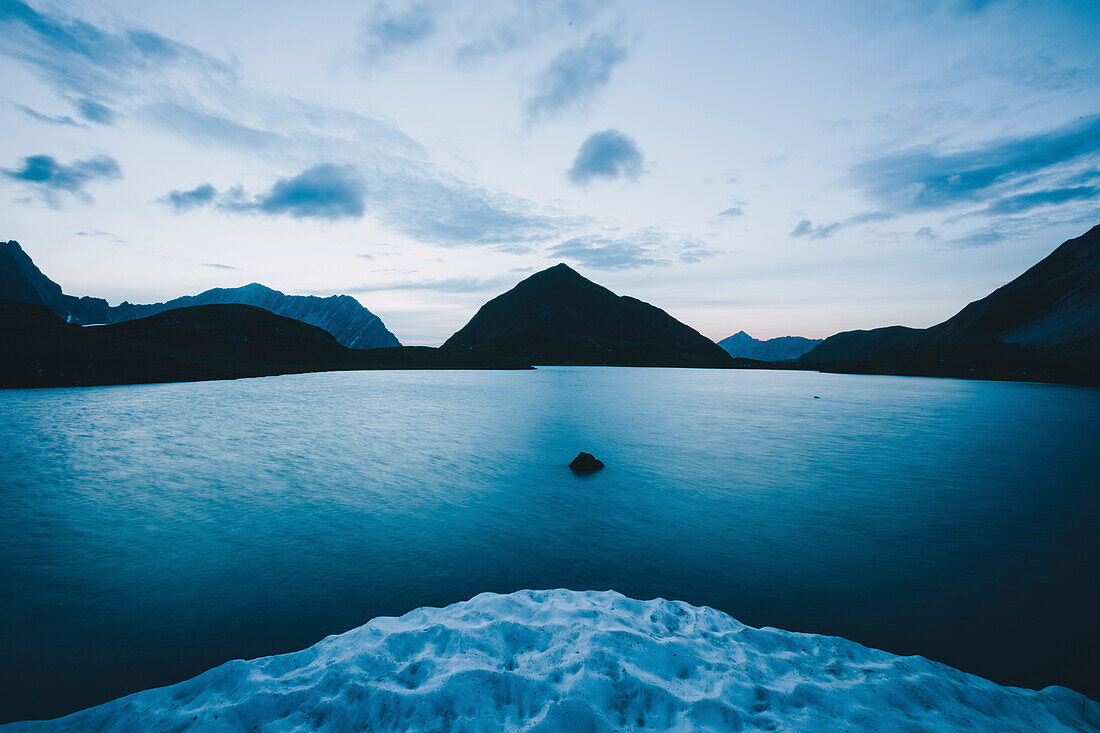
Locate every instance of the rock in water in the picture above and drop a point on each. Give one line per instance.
(586, 463)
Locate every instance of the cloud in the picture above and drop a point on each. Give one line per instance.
(445, 285)
(75, 56)
(100, 234)
(601, 253)
(325, 191)
(524, 22)
(1034, 199)
(574, 77)
(925, 233)
(93, 111)
(218, 266)
(159, 82)
(608, 154)
(51, 177)
(923, 179)
(191, 199)
(805, 228)
(39, 117)
(387, 32)
(980, 238)
(649, 246)
(192, 121)
(732, 212)
(692, 252)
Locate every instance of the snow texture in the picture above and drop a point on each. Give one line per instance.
(583, 661)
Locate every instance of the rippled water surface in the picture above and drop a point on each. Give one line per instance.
(151, 532)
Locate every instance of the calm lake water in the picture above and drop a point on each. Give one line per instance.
(151, 532)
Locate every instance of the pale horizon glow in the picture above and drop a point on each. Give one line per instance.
(795, 169)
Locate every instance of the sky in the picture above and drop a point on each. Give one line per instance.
(795, 168)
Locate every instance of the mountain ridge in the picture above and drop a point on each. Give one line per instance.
(782, 348)
(190, 344)
(1053, 306)
(350, 323)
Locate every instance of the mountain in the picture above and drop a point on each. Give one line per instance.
(1043, 325)
(21, 280)
(558, 317)
(784, 348)
(341, 315)
(224, 341)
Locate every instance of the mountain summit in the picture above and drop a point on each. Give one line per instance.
(559, 317)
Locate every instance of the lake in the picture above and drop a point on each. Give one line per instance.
(151, 532)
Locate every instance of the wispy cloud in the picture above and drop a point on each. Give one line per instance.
(100, 234)
(644, 247)
(49, 119)
(608, 154)
(574, 77)
(602, 253)
(923, 178)
(521, 22)
(806, 228)
(78, 57)
(1034, 199)
(49, 177)
(158, 82)
(732, 212)
(218, 266)
(980, 238)
(388, 32)
(191, 199)
(94, 111)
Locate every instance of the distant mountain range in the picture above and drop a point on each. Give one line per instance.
(1044, 325)
(559, 317)
(784, 348)
(350, 323)
(224, 341)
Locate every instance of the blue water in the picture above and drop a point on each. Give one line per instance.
(150, 532)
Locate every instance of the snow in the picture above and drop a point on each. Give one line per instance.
(562, 660)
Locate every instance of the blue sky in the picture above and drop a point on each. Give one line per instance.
(795, 168)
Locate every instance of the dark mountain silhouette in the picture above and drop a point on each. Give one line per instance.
(558, 317)
(784, 348)
(191, 344)
(863, 344)
(341, 315)
(242, 333)
(1044, 325)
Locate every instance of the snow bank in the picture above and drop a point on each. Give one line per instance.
(595, 661)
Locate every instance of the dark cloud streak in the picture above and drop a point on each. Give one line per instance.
(51, 177)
